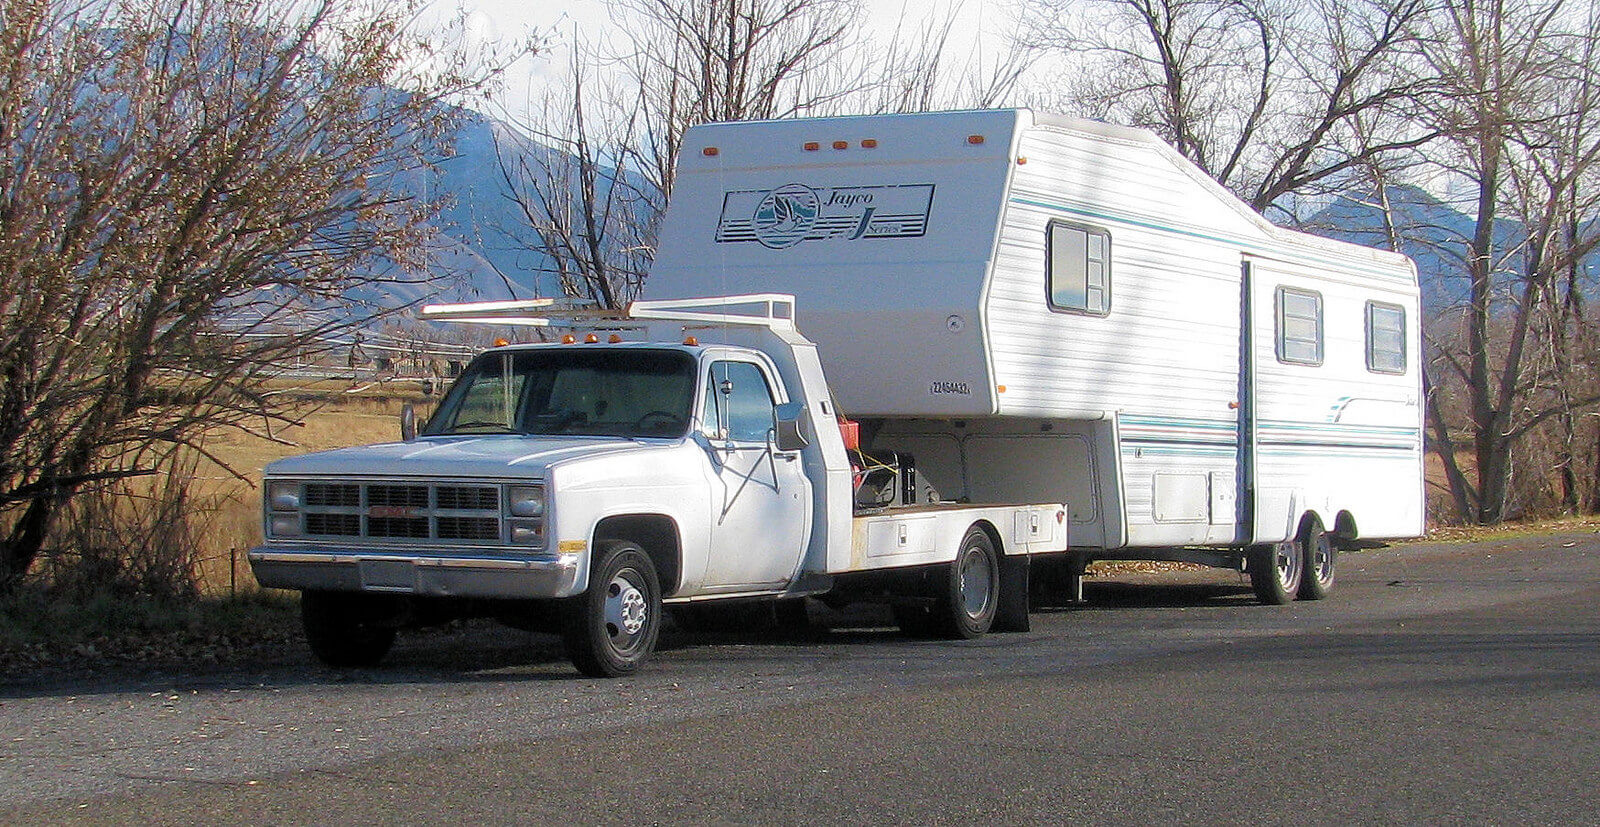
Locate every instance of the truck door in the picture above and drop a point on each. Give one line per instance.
(761, 499)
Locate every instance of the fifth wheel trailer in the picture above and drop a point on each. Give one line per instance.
(1037, 308)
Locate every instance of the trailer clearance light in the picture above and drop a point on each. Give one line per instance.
(691, 341)
(615, 339)
(812, 146)
(501, 342)
(974, 139)
(591, 339)
(869, 143)
(709, 152)
(569, 339)
(841, 144)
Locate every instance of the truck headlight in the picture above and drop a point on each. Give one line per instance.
(526, 500)
(283, 495)
(285, 525)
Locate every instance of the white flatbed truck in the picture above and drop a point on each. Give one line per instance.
(589, 483)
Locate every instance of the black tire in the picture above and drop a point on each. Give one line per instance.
(346, 629)
(972, 592)
(1316, 546)
(1275, 571)
(611, 628)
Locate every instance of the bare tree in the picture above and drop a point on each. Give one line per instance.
(1520, 119)
(701, 61)
(190, 188)
(591, 173)
(569, 171)
(1269, 98)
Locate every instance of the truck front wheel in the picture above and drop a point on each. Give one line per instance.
(966, 609)
(612, 628)
(346, 629)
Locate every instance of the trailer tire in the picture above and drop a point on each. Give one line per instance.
(345, 629)
(611, 628)
(1276, 570)
(967, 607)
(1316, 580)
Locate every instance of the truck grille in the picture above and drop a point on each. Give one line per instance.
(449, 512)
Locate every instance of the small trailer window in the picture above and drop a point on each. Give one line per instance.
(1299, 326)
(1386, 338)
(1078, 268)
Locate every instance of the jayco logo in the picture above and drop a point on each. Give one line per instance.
(784, 216)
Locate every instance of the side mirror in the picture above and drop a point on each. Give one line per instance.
(408, 422)
(791, 423)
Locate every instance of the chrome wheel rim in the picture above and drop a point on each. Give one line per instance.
(977, 584)
(1322, 558)
(1286, 559)
(627, 613)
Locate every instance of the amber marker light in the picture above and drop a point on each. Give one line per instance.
(869, 143)
(1000, 388)
(1021, 161)
(591, 339)
(501, 342)
(709, 152)
(812, 146)
(841, 144)
(691, 341)
(569, 339)
(974, 139)
(615, 339)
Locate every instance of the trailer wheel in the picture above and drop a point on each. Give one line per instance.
(1317, 547)
(966, 609)
(345, 629)
(1275, 571)
(612, 628)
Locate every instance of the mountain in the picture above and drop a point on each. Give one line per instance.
(1433, 233)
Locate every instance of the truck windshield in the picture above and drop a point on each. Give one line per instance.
(611, 392)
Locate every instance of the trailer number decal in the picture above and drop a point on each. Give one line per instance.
(957, 388)
(785, 216)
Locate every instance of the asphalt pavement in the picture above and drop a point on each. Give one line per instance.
(1442, 683)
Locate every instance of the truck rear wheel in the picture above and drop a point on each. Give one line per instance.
(1316, 546)
(966, 609)
(1275, 571)
(345, 629)
(612, 628)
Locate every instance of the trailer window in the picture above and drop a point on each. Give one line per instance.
(1299, 326)
(1386, 338)
(1078, 267)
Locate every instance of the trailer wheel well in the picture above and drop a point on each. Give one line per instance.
(1344, 528)
(657, 534)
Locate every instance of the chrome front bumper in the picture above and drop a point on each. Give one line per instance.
(407, 572)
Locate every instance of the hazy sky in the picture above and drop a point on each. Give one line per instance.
(491, 20)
